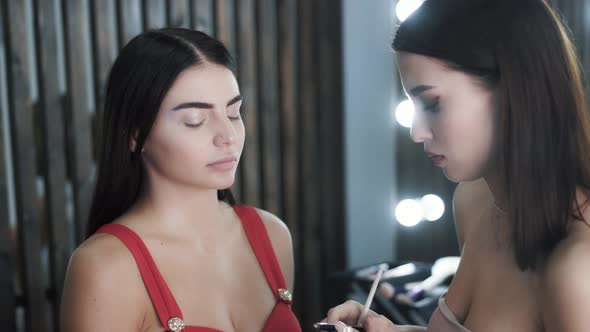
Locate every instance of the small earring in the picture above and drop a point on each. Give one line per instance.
(142, 150)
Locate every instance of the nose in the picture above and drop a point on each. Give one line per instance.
(225, 133)
(420, 131)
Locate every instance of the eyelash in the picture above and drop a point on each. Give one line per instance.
(197, 125)
(239, 116)
(432, 107)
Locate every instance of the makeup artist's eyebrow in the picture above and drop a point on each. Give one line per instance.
(197, 104)
(417, 90)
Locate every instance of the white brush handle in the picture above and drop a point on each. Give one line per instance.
(370, 297)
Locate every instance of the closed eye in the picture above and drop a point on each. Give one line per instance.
(233, 112)
(194, 125)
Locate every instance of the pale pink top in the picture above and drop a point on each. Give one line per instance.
(443, 319)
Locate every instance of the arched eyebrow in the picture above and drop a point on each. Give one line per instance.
(234, 100)
(197, 104)
(417, 90)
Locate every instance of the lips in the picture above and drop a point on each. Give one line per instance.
(224, 161)
(437, 159)
(225, 164)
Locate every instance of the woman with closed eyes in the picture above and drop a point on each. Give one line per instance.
(168, 248)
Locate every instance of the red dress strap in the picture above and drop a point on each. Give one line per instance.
(262, 247)
(160, 294)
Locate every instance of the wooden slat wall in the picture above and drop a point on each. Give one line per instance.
(79, 106)
(290, 133)
(248, 76)
(7, 240)
(104, 48)
(310, 226)
(55, 56)
(178, 13)
(330, 134)
(225, 23)
(270, 138)
(130, 20)
(23, 97)
(203, 16)
(54, 156)
(155, 14)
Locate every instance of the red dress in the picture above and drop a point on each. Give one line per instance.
(282, 317)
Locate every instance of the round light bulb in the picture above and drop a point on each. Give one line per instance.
(409, 212)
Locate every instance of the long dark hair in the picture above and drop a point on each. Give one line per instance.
(522, 49)
(138, 82)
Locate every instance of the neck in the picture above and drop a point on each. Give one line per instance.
(498, 191)
(500, 224)
(178, 208)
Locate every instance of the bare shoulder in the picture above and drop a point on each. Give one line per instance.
(280, 237)
(468, 200)
(274, 225)
(566, 291)
(103, 288)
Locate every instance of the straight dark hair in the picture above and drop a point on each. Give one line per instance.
(140, 78)
(522, 49)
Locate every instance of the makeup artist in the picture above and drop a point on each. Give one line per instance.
(500, 108)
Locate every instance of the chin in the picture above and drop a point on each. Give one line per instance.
(451, 178)
(221, 184)
(457, 177)
(223, 187)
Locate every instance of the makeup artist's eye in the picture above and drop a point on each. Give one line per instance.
(432, 106)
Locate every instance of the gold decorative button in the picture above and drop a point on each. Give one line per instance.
(285, 295)
(175, 324)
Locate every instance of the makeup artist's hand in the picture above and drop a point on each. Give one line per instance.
(348, 313)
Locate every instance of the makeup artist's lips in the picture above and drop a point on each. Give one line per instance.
(437, 159)
(225, 164)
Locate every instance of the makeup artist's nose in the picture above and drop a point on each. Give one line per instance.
(225, 133)
(420, 131)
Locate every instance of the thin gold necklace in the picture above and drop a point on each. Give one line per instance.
(498, 207)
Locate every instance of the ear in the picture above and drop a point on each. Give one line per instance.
(133, 141)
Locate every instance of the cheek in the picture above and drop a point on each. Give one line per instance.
(483, 131)
(449, 131)
(176, 146)
(471, 140)
(190, 148)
